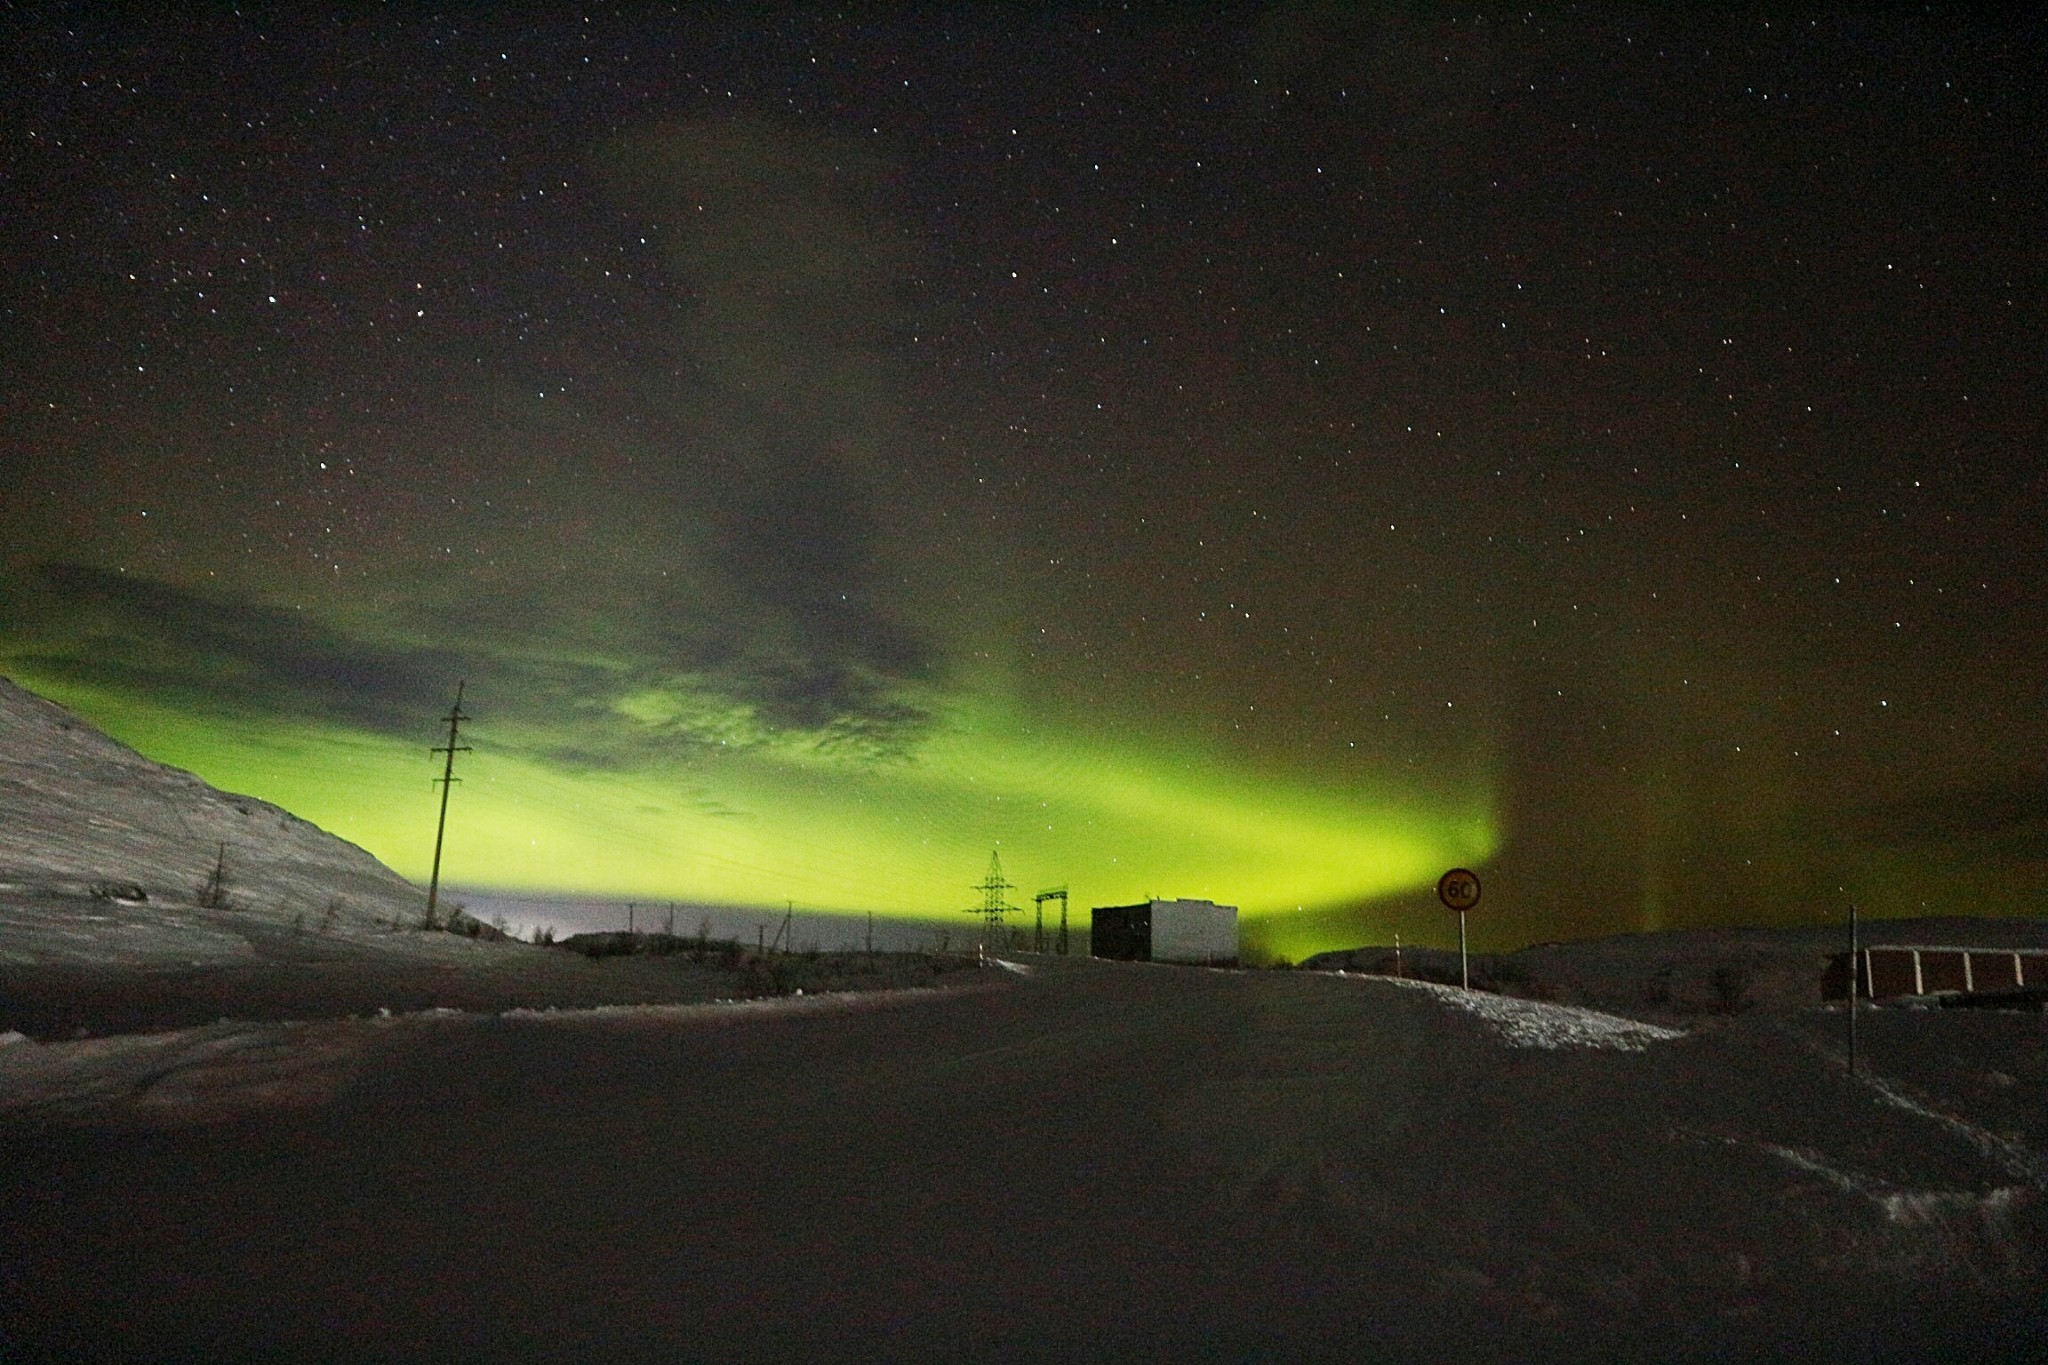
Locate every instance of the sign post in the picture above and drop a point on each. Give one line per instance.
(1855, 970)
(1458, 889)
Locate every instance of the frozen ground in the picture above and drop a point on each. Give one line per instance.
(1089, 1161)
(80, 811)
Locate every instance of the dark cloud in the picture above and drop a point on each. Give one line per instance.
(782, 238)
(798, 544)
(210, 651)
(724, 681)
(792, 273)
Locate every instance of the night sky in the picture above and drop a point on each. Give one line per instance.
(1267, 454)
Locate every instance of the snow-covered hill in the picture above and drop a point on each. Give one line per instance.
(86, 823)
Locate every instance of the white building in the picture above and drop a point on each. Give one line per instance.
(1166, 931)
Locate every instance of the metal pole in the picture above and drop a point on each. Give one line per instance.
(1464, 963)
(1855, 971)
(448, 779)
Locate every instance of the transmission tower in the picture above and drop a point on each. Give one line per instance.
(447, 779)
(993, 907)
(1058, 893)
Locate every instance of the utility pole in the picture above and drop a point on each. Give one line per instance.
(786, 934)
(447, 779)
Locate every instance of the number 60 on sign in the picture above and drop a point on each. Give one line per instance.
(1458, 889)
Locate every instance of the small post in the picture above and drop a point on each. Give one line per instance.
(629, 918)
(1855, 971)
(1398, 973)
(1464, 962)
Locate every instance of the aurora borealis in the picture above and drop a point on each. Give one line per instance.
(1270, 456)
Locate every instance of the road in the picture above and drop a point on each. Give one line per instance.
(1093, 1162)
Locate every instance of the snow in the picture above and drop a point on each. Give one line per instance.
(1540, 1024)
(88, 821)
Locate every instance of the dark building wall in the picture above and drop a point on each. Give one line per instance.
(1122, 932)
(1942, 972)
(1888, 974)
(1888, 971)
(1996, 971)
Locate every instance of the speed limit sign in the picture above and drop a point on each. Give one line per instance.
(1458, 889)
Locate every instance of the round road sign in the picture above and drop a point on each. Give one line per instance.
(1458, 889)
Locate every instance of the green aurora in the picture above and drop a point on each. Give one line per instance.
(1114, 821)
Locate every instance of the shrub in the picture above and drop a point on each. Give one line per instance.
(213, 892)
(1731, 982)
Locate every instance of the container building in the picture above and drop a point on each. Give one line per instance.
(1194, 931)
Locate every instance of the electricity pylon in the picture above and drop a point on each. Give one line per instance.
(993, 907)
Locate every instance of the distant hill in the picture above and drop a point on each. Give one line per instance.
(84, 816)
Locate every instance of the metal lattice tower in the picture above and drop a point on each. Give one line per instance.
(993, 907)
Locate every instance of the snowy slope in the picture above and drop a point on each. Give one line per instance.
(79, 811)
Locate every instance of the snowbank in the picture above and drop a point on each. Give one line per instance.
(1535, 1023)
